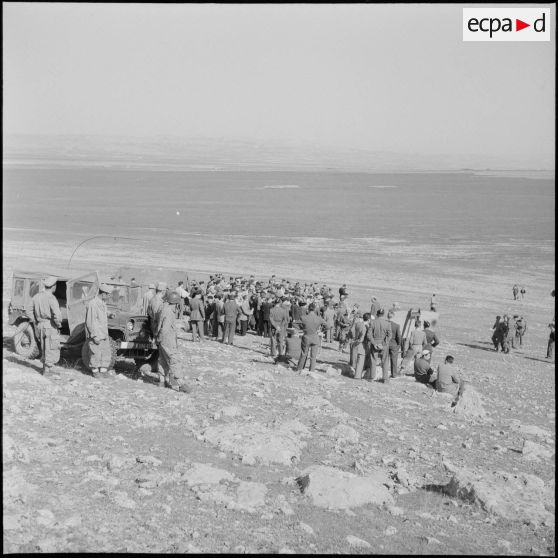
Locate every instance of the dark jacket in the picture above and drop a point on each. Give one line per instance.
(395, 340)
(197, 309)
(231, 311)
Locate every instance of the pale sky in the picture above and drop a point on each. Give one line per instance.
(391, 77)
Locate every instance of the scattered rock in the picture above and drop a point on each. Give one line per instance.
(470, 404)
(305, 527)
(359, 543)
(344, 434)
(45, 518)
(123, 500)
(149, 460)
(255, 442)
(334, 489)
(511, 496)
(533, 451)
(250, 495)
(203, 473)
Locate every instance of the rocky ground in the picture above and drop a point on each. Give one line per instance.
(259, 459)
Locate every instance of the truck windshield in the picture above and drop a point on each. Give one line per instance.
(118, 296)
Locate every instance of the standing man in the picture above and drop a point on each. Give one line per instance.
(311, 324)
(379, 335)
(417, 342)
(197, 316)
(358, 349)
(183, 293)
(146, 298)
(431, 337)
(245, 314)
(218, 316)
(168, 345)
(278, 321)
(96, 333)
(433, 303)
(231, 311)
(375, 306)
(550, 346)
(155, 305)
(520, 330)
(515, 291)
(329, 317)
(394, 345)
(48, 319)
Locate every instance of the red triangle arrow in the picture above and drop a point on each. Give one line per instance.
(519, 25)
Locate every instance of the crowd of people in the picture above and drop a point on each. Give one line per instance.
(508, 333)
(299, 319)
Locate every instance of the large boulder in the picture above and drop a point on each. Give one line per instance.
(470, 404)
(335, 489)
(519, 497)
(258, 443)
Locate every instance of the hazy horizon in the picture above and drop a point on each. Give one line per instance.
(358, 78)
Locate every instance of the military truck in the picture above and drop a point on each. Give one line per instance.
(129, 332)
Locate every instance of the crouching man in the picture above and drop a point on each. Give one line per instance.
(448, 380)
(423, 369)
(168, 346)
(97, 343)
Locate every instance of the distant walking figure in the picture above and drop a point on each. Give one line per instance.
(433, 303)
(515, 291)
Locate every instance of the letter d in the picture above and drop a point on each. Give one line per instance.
(535, 25)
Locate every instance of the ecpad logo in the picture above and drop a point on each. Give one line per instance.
(506, 24)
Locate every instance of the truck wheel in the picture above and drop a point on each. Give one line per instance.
(24, 341)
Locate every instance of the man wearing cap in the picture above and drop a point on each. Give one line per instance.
(147, 297)
(96, 333)
(218, 316)
(447, 377)
(155, 305)
(311, 325)
(431, 337)
(394, 345)
(47, 316)
(168, 345)
(231, 311)
(358, 346)
(423, 369)
(278, 320)
(379, 336)
(374, 307)
(197, 316)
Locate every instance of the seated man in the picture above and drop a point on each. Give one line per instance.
(293, 348)
(448, 380)
(423, 369)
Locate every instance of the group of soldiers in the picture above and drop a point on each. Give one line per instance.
(48, 321)
(508, 332)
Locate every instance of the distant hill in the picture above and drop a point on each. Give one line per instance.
(199, 153)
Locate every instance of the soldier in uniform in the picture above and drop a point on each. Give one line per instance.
(47, 316)
(96, 333)
(278, 320)
(167, 343)
(358, 346)
(311, 325)
(155, 305)
(379, 335)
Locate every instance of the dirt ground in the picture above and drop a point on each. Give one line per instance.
(122, 465)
